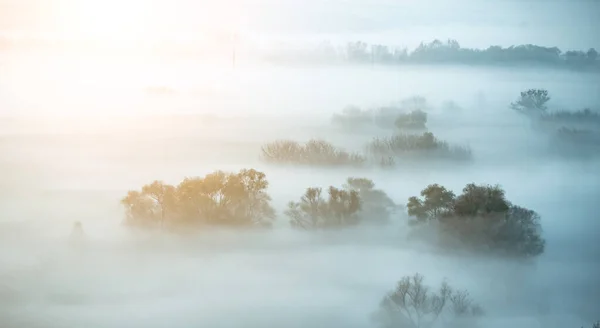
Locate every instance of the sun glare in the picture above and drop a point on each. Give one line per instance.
(107, 20)
(144, 20)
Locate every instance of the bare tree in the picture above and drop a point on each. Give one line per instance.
(413, 305)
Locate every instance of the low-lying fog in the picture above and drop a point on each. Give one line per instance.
(60, 170)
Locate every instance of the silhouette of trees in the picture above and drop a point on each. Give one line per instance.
(219, 199)
(356, 202)
(532, 101)
(450, 52)
(481, 217)
(412, 304)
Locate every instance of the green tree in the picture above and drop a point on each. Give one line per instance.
(480, 217)
(437, 201)
(532, 101)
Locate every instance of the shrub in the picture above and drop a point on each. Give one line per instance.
(415, 119)
(413, 304)
(219, 198)
(480, 217)
(314, 152)
(580, 116)
(426, 144)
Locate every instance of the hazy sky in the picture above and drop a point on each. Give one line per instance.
(567, 24)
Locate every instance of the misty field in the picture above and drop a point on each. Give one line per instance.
(63, 163)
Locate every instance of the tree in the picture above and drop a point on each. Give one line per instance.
(162, 195)
(481, 217)
(532, 101)
(219, 198)
(480, 200)
(377, 206)
(437, 201)
(412, 304)
(592, 55)
(313, 212)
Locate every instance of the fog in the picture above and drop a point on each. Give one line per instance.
(78, 131)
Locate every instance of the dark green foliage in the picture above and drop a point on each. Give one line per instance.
(219, 199)
(437, 202)
(424, 145)
(532, 102)
(480, 200)
(416, 119)
(314, 152)
(412, 304)
(357, 202)
(480, 217)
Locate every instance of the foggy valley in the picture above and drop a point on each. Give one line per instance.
(159, 190)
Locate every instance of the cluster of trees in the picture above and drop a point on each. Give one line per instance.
(426, 144)
(568, 128)
(217, 199)
(241, 200)
(408, 114)
(380, 151)
(451, 52)
(481, 217)
(413, 304)
(357, 202)
(313, 152)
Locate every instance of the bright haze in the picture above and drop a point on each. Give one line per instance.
(99, 97)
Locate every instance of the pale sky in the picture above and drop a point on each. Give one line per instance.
(478, 23)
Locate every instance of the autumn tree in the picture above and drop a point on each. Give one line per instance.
(412, 304)
(219, 198)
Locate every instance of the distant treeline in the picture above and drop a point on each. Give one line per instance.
(449, 52)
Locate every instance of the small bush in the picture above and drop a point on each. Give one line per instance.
(426, 144)
(314, 152)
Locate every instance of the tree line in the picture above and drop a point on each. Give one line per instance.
(479, 218)
(448, 52)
